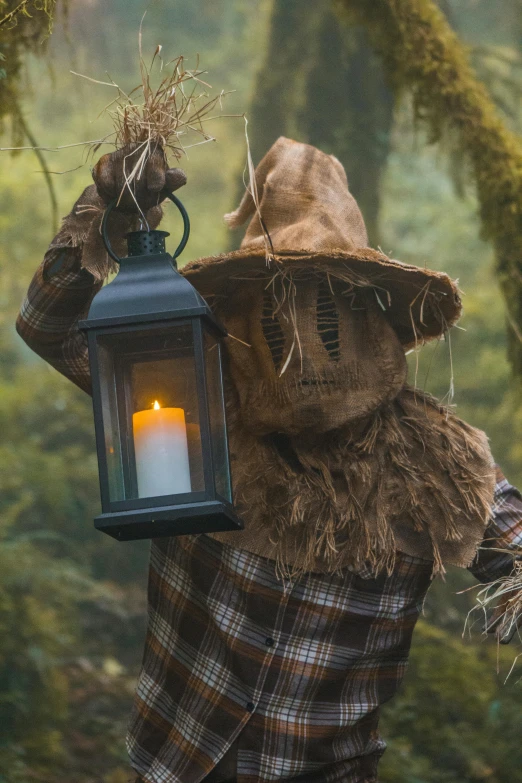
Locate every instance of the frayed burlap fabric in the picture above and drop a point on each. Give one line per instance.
(306, 357)
(413, 477)
(82, 228)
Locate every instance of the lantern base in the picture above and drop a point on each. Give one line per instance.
(209, 517)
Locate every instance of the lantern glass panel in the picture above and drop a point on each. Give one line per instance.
(218, 429)
(149, 392)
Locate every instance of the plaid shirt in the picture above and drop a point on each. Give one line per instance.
(285, 679)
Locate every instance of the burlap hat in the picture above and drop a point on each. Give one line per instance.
(307, 221)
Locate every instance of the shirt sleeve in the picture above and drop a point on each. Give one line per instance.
(504, 532)
(59, 296)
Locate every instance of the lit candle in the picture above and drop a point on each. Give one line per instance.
(160, 446)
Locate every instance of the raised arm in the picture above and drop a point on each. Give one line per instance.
(59, 295)
(76, 263)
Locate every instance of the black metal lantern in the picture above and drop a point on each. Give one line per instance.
(155, 358)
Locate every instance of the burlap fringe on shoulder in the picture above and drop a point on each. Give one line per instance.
(415, 478)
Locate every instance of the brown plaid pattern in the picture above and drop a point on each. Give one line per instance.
(59, 295)
(287, 677)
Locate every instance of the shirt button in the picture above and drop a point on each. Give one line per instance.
(250, 706)
(269, 641)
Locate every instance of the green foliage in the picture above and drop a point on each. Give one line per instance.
(48, 471)
(53, 615)
(24, 27)
(452, 721)
(25, 9)
(37, 629)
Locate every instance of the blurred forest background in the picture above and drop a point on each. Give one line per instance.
(72, 601)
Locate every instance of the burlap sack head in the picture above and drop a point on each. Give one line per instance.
(325, 318)
(310, 358)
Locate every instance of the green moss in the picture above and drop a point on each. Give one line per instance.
(24, 28)
(423, 55)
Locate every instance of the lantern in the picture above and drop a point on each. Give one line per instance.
(158, 399)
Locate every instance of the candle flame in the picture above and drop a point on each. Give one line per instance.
(156, 406)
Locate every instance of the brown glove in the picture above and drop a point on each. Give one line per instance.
(139, 182)
(81, 227)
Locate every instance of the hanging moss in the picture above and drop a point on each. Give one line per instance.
(24, 29)
(422, 55)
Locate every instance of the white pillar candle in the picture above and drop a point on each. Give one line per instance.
(161, 450)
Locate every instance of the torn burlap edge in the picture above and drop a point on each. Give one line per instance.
(416, 479)
(81, 228)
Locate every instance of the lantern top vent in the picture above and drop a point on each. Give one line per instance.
(146, 243)
(148, 287)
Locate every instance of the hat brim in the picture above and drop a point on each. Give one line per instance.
(420, 304)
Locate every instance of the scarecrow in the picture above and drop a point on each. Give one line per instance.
(270, 650)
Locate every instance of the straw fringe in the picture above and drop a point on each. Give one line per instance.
(413, 478)
(505, 596)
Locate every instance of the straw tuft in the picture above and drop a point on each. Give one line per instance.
(167, 110)
(504, 596)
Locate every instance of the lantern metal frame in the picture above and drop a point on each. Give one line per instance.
(149, 295)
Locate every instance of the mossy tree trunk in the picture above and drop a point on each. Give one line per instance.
(422, 55)
(322, 84)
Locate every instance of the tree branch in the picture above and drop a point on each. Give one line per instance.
(11, 15)
(45, 169)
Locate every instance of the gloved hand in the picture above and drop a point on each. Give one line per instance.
(138, 184)
(81, 228)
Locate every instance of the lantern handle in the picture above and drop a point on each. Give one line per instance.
(184, 239)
